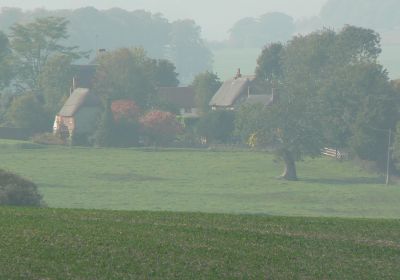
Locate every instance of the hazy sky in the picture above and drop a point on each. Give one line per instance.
(214, 16)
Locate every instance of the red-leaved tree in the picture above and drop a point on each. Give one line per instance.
(125, 109)
(160, 127)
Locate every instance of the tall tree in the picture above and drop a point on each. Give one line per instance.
(6, 72)
(55, 82)
(125, 74)
(26, 112)
(33, 44)
(257, 32)
(188, 51)
(205, 85)
(330, 91)
(163, 73)
(269, 63)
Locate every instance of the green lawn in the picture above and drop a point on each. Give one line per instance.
(70, 244)
(199, 181)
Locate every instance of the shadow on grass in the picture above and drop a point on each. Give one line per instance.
(128, 177)
(345, 181)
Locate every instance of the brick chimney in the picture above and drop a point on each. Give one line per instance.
(238, 74)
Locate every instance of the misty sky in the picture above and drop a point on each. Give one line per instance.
(214, 16)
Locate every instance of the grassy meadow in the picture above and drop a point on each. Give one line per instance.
(198, 181)
(85, 244)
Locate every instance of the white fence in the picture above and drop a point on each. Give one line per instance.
(334, 153)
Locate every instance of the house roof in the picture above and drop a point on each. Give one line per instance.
(84, 75)
(230, 91)
(182, 97)
(80, 97)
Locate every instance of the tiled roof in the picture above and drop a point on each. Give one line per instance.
(182, 97)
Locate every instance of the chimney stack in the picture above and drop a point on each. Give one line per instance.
(238, 74)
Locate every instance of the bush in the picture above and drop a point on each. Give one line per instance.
(17, 191)
(125, 109)
(160, 128)
(217, 126)
(48, 139)
(27, 112)
(80, 139)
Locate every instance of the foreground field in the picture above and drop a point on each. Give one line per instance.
(71, 244)
(198, 181)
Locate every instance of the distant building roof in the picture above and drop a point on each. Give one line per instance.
(230, 91)
(80, 97)
(84, 75)
(181, 97)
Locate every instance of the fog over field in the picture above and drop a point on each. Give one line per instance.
(215, 17)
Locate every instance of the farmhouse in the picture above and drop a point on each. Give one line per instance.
(180, 99)
(80, 111)
(238, 91)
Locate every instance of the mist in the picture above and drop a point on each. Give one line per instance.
(215, 17)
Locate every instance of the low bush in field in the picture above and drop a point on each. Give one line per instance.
(48, 139)
(17, 191)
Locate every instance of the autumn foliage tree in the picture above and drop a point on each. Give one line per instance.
(160, 128)
(125, 109)
(126, 129)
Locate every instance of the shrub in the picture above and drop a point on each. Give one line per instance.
(27, 112)
(217, 126)
(48, 139)
(17, 191)
(125, 109)
(80, 139)
(104, 135)
(160, 127)
(127, 127)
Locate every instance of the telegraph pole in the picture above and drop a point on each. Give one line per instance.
(388, 158)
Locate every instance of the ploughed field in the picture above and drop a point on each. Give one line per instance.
(238, 182)
(88, 244)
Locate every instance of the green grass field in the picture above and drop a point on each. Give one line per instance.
(198, 181)
(76, 244)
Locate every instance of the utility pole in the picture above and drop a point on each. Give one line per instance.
(388, 158)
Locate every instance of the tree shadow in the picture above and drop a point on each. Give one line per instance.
(346, 181)
(128, 177)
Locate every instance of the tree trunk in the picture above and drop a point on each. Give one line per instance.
(290, 167)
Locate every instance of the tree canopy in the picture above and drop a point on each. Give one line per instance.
(179, 42)
(257, 32)
(187, 50)
(6, 67)
(33, 44)
(205, 85)
(330, 91)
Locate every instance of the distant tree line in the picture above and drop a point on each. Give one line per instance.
(280, 27)
(91, 29)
